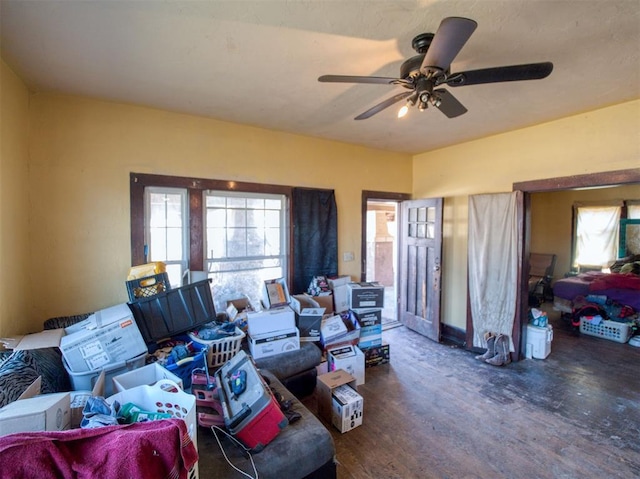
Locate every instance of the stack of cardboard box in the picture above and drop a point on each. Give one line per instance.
(273, 330)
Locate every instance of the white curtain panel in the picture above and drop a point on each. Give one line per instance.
(493, 264)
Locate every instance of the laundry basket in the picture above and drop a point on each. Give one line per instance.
(611, 330)
(221, 350)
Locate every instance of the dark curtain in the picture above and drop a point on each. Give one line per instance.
(315, 236)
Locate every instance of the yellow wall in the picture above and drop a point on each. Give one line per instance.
(65, 239)
(551, 217)
(15, 295)
(83, 150)
(602, 140)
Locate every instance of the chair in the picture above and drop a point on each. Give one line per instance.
(541, 268)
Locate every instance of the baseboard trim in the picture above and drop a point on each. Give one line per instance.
(451, 334)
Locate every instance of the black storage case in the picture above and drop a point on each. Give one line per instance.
(174, 311)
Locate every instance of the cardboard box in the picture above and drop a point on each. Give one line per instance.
(325, 302)
(145, 376)
(109, 336)
(115, 339)
(366, 295)
(46, 412)
(265, 345)
(377, 355)
(325, 385)
(351, 336)
(340, 290)
(78, 399)
(347, 408)
(348, 358)
(332, 327)
(275, 293)
(308, 322)
(270, 321)
(370, 321)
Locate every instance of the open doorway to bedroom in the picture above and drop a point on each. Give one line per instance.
(380, 234)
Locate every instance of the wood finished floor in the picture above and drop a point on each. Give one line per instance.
(436, 412)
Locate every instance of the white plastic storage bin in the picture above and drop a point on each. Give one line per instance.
(85, 381)
(540, 340)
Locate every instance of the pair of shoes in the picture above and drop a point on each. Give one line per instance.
(502, 354)
(490, 339)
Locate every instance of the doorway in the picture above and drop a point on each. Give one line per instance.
(380, 233)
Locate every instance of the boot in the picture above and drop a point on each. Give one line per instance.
(490, 339)
(503, 355)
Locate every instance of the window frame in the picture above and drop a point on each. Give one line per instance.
(195, 188)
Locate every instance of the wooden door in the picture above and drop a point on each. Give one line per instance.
(420, 266)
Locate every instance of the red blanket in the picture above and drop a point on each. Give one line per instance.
(157, 449)
(615, 280)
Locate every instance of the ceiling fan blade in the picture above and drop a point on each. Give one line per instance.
(357, 79)
(381, 106)
(451, 36)
(449, 104)
(531, 71)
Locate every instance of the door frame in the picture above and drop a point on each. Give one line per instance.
(607, 178)
(375, 195)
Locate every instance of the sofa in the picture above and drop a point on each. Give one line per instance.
(303, 449)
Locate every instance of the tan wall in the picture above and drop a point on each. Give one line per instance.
(15, 295)
(602, 140)
(551, 217)
(83, 150)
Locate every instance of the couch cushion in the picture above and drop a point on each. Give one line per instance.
(15, 376)
(24, 367)
(291, 363)
(300, 449)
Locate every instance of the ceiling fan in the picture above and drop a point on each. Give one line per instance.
(421, 74)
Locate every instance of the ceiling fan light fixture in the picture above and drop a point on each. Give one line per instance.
(403, 111)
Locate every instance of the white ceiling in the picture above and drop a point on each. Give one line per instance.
(257, 62)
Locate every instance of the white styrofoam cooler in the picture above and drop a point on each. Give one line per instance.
(540, 340)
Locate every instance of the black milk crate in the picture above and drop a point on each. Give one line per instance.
(148, 286)
(174, 311)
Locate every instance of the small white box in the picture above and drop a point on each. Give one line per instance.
(348, 358)
(145, 376)
(332, 327)
(109, 336)
(265, 345)
(540, 340)
(340, 289)
(347, 408)
(46, 412)
(269, 321)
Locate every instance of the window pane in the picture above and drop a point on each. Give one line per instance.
(255, 218)
(256, 203)
(219, 201)
(272, 238)
(158, 245)
(597, 235)
(272, 218)
(216, 244)
(236, 218)
(273, 204)
(174, 244)
(233, 202)
(236, 242)
(216, 217)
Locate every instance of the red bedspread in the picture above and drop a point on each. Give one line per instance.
(615, 280)
(157, 449)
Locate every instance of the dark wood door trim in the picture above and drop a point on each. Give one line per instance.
(605, 178)
(366, 196)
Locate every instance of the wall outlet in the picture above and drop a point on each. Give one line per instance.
(348, 256)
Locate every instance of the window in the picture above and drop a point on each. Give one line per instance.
(604, 232)
(596, 238)
(166, 227)
(245, 241)
(236, 232)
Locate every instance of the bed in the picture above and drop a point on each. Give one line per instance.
(621, 287)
